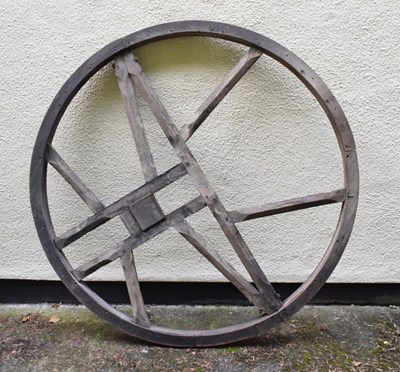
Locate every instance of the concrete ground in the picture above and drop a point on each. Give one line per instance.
(318, 338)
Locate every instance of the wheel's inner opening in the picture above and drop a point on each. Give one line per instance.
(267, 141)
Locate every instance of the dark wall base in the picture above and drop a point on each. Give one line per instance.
(165, 293)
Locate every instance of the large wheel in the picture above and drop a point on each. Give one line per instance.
(140, 211)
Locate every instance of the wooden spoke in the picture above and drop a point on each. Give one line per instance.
(135, 241)
(96, 205)
(138, 131)
(135, 294)
(74, 180)
(289, 205)
(119, 206)
(202, 183)
(220, 92)
(226, 269)
(148, 167)
(130, 273)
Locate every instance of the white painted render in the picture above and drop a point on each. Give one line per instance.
(267, 141)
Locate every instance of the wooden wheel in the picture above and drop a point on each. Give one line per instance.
(140, 211)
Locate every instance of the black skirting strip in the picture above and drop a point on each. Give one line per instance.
(167, 293)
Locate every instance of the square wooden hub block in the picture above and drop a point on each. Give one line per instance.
(147, 212)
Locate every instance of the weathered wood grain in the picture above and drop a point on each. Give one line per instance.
(223, 266)
(135, 121)
(202, 183)
(119, 206)
(222, 89)
(147, 212)
(135, 294)
(96, 205)
(131, 277)
(134, 241)
(309, 201)
(74, 180)
(143, 217)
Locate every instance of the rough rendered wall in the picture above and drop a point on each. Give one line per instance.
(267, 141)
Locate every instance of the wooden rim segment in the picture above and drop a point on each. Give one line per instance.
(142, 215)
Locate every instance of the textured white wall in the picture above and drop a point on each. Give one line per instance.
(267, 141)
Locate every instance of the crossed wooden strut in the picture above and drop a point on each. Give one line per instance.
(140, 211)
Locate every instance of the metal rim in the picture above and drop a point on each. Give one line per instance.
(300, 297)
